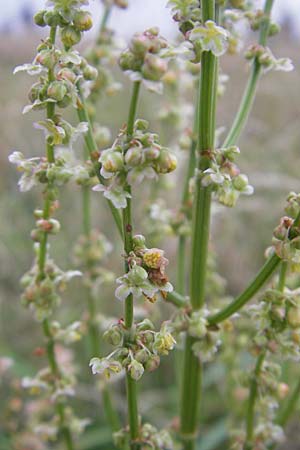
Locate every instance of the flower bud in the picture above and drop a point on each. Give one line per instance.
(274, 28)
(57, 90)
(90, 73)
(70, 36)
(82, 20)
(140, 44)
(166, 162)
(138, 241)
(142, 355)
(240, 182)
(111, 161)
(152, 152)
(46, 58)
(66, 74)
(128, 61)
(113, 335)
(52, 18)
(133, 156)
(39, 18)
(35, 92)
(48, 226)
(154, 68)
(145, 325)
(136, 370)
(152, 363)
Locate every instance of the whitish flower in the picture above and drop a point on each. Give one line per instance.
(135, 369)
(135, 282)
(105, 366)
(116, 194)
(163, 342)
(211, 37)
(137, 174)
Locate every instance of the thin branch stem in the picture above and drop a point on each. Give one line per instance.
(263, 275)
(93, 152)
(250, 91)
(251, 402)
(131, 385)
(192, 375)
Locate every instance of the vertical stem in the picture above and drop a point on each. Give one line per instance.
(131, 385)
(200, 235)
(251, 402)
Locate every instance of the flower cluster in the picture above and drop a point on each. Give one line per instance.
(269, 392)
(139, 353)
(224, 176)
(286, 236)
(267, 60)
(149, 437)
(195, 324)
(186, 13)
(144, 60)
(39, 170)
(129, 161)
(41, 294)
(146, 277)
(277, 318)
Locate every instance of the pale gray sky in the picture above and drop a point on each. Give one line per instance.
(144, 13)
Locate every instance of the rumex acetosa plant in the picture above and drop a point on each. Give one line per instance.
(205, 323)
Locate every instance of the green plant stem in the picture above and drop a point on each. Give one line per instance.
(177, 299)
(105, 17)
(251, 402)
(191, 386)
(182, 240)
(131, 385)
(250, 91)
(60, 407)
(262, 276)
(93, 152)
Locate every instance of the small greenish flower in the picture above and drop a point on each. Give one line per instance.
(135, 282)
(164, 342)
(136, 369)
(105, 366)
(211, 37)
(116, 194)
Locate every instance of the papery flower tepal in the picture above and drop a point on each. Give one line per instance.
(211, 37)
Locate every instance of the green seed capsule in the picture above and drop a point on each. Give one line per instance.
(82, 20)
(70, 36)
(39, 18)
